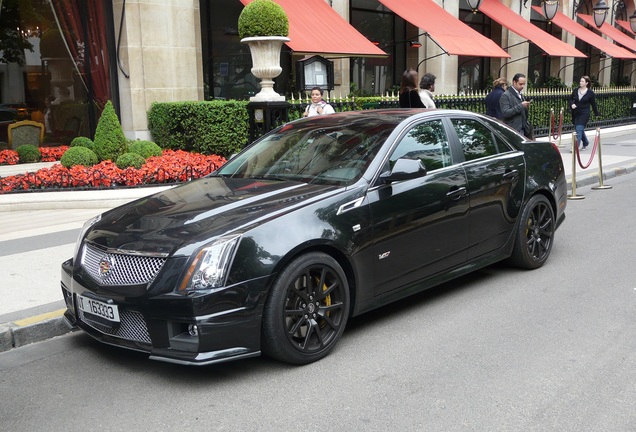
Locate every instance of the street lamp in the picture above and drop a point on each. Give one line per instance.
(632, 21)
(550, 8)
(474, 5)
(600, 13)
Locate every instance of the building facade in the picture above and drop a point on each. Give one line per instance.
(67, 58)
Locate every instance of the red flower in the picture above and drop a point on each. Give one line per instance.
(8, 157)
(171, 167)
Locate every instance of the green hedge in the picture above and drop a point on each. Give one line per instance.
(222, 127)
(208, 127)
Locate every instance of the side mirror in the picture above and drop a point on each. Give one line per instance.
(404, 169)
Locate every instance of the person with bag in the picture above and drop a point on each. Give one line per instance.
(493, 108)
(409, 96)
(581, 100)
(514, 109)
(318, 106)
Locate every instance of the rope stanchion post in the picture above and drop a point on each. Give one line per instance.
(600, 163)
(551, 132)
(560, 126)
(575, 149)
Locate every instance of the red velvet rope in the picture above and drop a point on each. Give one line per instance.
(594, 147)
(555, 132)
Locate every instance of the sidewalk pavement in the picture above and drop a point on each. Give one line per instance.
(38, 232)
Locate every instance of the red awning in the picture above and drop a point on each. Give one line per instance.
(612, 32)
(315, 28)
(452, 35)
(626, 26)
(588, 36)
(516, 24)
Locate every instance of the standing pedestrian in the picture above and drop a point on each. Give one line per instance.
(514, 109)
(409, 97)
(493, 109)
(318, 106)
(427, 87)
(580, 101)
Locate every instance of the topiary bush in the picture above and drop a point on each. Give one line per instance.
(263, 18)
(145, 149)
(81, 141)
(78, 156)
(110, 141)
(28, 153)
(130, 160)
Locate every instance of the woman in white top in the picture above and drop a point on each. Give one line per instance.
(318, 106)
(427, 87)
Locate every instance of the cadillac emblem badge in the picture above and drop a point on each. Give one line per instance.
(106, 265)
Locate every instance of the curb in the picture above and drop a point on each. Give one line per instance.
(89, 199)
(33, 329)
(608, 174)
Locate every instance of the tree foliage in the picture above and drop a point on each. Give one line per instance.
(15, 14)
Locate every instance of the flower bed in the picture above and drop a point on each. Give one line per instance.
(171, 167)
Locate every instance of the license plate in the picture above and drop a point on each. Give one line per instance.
(95, 307)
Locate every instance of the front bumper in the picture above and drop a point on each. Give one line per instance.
(175, 328)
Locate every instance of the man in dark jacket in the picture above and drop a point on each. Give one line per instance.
(514, 109)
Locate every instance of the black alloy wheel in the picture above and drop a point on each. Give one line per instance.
(535, 234)
(307, 310)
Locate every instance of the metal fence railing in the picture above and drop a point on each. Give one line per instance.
(616, 106)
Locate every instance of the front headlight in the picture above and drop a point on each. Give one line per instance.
(210, 266)
(87, 225)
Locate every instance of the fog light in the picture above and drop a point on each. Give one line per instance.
(193, 330)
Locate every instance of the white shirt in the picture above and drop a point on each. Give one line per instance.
(427, 98)
(312, 110)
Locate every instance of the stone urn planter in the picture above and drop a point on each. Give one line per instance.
(265, 52)
(61, 70)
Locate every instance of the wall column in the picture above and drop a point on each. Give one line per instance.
(160, 51)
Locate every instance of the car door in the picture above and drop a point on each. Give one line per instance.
(495, 173)
(420, 226)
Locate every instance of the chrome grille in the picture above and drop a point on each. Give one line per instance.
(108, 268)
(132, 326)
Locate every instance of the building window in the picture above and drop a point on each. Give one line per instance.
(473, 72)
(55, 65)
(376, 76)
(227, 62)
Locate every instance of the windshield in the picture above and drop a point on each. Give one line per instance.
(319, 152)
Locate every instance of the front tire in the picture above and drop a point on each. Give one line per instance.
(535, 234)
(307, 310)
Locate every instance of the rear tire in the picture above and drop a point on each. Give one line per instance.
(535, 234)
(307, 310)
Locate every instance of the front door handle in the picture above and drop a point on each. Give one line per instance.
(511, 175)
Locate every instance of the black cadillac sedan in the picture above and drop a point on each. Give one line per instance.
(320, 220)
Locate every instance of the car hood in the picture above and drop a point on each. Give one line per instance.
(192, 214)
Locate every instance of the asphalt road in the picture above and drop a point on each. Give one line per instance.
(500, 350)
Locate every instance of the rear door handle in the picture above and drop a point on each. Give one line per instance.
(457, 193)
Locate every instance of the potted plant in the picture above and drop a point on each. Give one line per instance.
(263, 26)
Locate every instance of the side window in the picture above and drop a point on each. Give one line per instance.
(509, 135)
(427, 142)
(477, 140)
